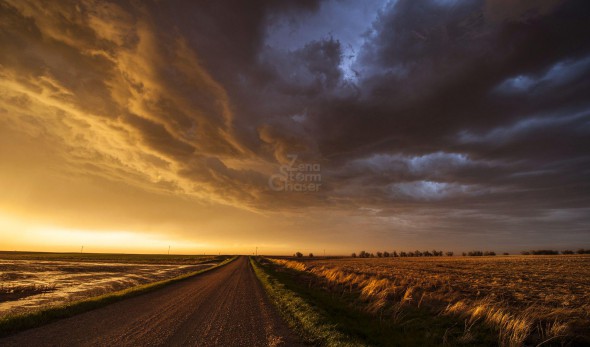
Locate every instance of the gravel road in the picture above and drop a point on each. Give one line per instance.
(223, 307)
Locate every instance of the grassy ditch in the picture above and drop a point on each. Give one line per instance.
(313, 324)
(11, 324)
(306, 300)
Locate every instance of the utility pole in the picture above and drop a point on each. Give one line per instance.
(168, 249)
(82, 249)
(256, 251)
(324, 252)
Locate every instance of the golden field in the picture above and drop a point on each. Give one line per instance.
(526, 300)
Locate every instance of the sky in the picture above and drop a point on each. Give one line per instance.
(316, 126)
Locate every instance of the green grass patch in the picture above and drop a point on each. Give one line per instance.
(14, 323)
(296, 293)
(313, 324)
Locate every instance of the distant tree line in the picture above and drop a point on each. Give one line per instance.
(554, 252)
(435, 253)
(478, 253)
(386, 254)
(300, 255)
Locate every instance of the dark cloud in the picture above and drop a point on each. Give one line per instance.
(461, 113)
(429, 86)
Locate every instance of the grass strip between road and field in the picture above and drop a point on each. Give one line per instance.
(312, 324)
(12, 324)
(336, 317)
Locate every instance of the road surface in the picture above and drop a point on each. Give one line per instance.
(223, 307)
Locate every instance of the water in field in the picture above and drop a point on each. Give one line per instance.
(26, 285)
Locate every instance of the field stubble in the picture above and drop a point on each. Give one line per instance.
(525, 299)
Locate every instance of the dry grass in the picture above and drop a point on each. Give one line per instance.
(527, 300)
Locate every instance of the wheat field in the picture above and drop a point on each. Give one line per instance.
(526, 300)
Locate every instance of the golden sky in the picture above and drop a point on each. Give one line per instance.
(134, 126)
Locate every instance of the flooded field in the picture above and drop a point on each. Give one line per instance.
(29, 284)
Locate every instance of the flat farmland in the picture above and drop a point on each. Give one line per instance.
(525, 300)
(31, 281)
(225, 306)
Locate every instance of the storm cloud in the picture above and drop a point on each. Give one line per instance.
(436, 119)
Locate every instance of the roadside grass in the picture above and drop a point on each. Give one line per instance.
(12, 324)
(108, 257)
(312, 323)
(305, 302)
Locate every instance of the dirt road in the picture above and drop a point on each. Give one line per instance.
(223, 307)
